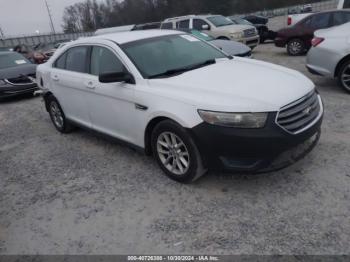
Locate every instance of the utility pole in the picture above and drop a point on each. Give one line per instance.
(2, 35)
(50, 17)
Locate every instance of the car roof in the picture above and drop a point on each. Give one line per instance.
(126, 37)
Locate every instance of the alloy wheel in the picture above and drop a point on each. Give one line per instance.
(57, 115)
(295, 47)
(345, 77)
(173, 153)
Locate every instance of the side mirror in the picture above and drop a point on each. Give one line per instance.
(117, 77)
(205, 27)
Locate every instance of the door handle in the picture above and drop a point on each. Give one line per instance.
(55, 78)
(90, 84)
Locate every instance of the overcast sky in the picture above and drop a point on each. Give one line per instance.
(26, 16)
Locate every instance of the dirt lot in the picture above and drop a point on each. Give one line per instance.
(80, 194)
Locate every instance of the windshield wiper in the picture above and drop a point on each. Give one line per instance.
(182, 70)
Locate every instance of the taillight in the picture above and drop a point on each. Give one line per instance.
(316, 41)
(289, 22)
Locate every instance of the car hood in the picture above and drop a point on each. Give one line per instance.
(238, 85)
(231, 47)
(17, 71)
(234, 28)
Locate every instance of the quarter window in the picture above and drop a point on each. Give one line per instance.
(61, 62)
(340, 18)
(104, 61)
(167, 26)
(77, 59)
(320, 21)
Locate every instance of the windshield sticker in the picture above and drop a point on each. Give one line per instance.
(190, 38)
(20, 62)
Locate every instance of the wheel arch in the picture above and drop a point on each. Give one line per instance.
(152, 124)
(149, 129)
(46, 97)
(223, 38)
(340, 64)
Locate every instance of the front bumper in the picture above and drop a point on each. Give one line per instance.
(251, 150)
(252, 42)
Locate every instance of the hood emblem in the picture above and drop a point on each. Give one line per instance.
(307, 111)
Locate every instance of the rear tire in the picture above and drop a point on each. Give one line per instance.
(57, 116)
(296, 47)
(176, 152)
(344, 76)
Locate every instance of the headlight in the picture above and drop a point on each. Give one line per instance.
(238, 120)
(2, 83)
(237, 35)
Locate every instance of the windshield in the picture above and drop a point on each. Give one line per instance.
(220, 20)
(156, 56)
(241, 21)
(11, 60)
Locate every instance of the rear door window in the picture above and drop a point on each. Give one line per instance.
(77, 59)
(185, 24)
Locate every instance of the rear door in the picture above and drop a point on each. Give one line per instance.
(67, 83)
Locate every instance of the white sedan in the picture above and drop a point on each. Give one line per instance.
(172, 95)
(330, 54)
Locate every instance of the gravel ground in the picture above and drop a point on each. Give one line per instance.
(80, 194)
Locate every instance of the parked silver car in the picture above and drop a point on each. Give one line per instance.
(330, 54)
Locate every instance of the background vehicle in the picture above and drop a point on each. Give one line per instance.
(217, 26)
(232, 48)
(158, 91)
(31, 54)
(330, 54)
(17, 75)
(256, 19)
(298, 38)
(263, 30)
(147, 26)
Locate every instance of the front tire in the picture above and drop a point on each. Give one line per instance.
(57, 116)
(176, 152)
(296, 47)
(344, 76)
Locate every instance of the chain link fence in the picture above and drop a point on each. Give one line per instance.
(41, 39)
(316, 7)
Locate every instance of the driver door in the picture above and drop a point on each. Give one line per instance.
(111, 105)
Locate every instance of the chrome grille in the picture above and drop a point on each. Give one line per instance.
(249, 32)
(298, 116)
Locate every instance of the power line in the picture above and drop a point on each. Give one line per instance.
(50, 17)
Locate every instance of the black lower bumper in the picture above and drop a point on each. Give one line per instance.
(252, 150)
(17, 91)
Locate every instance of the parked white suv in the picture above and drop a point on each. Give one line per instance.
(184, 101)
(217, 26)
(330, 54)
